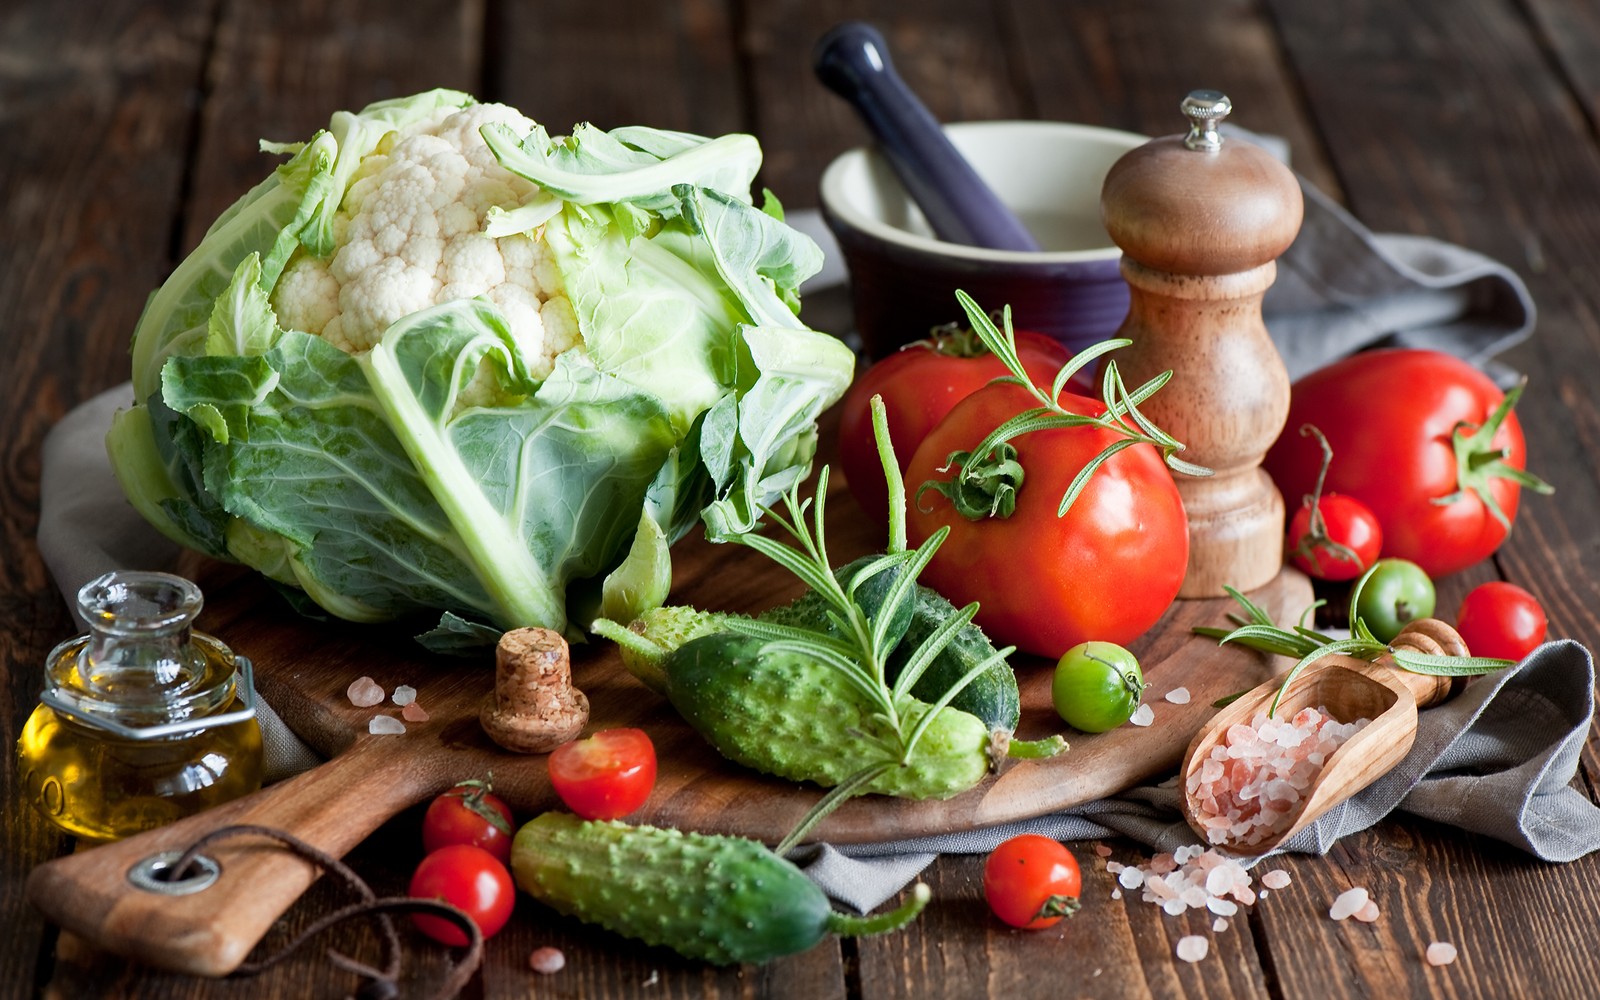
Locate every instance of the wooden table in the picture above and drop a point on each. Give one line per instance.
(127, 125)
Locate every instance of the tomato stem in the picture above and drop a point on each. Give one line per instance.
(1059, 906)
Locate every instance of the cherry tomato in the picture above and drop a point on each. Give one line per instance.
(1032, 881)
(1392, 593)
(1417, 443)
(1097, 686)
(469, 878)
(469, 814)
(920, 383)
(1501, 620)
(1105, 571)
(606, 776)
(1340, 543)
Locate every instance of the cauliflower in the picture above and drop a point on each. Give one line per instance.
(410, 234)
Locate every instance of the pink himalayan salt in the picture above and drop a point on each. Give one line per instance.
(1191, 877)
(1249, 787)
(386, 725)
(405, 694)
(413, 712)
(364, 692)
(1348, 903)
(1143, 716)
(1219, 925)
(1178, 696)
(1441, 953)
(547, 960)
(1102, 850)
(1276, 879)
(1369, 913)
(1193, 947)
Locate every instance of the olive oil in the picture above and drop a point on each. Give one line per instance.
(143, 720)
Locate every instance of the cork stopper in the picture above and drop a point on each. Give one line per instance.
(1199, 203)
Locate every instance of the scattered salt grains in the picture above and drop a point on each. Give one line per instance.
(1276, 879)
(1440, 953)
(364, 692)
(1250, 785)
(1219, 925)
(1130, 878)
(1348, 903)
(414, 712)
(386, 725)
(547, 960)
(1178, 696)
(1102, 850)
(405, 694)
(1369, 913)
(1143, 716)
(1193, 947)
(1116, 893)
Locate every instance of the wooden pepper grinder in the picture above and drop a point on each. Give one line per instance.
(1201, 222)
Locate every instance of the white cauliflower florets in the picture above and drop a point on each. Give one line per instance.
(410, 236)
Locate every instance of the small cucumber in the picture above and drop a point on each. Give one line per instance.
(720, 899)
(793, 717)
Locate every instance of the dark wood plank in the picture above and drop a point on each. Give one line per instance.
(667, 65)
(1571, 31)
(97, 106)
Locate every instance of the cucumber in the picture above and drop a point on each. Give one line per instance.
(720, 899)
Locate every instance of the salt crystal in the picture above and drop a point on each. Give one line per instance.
(1178, 696)
(414, 713)
(1193, 897)
(1219, 881)
(1348, 903)
(1222, 907)
(1276, 879)
(1116, 893)
(1367, 914)
(1441, 953)
(1193, 947)
(1174, 907)
(1161, 864)
(547, 960)
(1102, 850)
(1261, 894)
(364, 692)
(405, 694)
(1114, 866)
(385, 725)
(1130, 878)
(1219, 925)
(1143, 716)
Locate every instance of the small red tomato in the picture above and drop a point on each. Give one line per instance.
(1340, 543)
(469, 814)
(469, 878)
(1032, 881)
(606, 776)
(1501, 620)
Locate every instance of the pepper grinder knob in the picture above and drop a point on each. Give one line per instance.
(1201, 223)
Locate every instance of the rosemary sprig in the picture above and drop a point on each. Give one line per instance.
(985, 475)
(1256, 630)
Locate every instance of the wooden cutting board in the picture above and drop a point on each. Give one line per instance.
(303, 668)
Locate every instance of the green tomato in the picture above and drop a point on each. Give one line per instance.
(1097, 686)
(1390, 594)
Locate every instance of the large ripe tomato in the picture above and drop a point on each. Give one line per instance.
(1032, 881)
(1392, 416)
(920, 383)
(1501, 620)
(1105, 571)
(606, 776)
(469, 814)
(469, 878)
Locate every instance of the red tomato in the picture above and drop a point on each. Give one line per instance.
(469, 878)
(469, 814)
(1105, 571)
(1389, 415)
(606, 776)
(1032, 881)
(1501, 620)
(919, 384)
(1347, 528)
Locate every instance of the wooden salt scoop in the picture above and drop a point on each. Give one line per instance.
(1347, 689)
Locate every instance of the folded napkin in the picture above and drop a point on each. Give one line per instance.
(1498, 759)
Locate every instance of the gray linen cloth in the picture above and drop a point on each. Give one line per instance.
(1498, 759)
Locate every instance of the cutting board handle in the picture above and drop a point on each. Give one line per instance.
(211, 931)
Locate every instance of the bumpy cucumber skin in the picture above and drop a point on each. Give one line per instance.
(796, 719)
(992, 696)
(720, 899)
(668, 628)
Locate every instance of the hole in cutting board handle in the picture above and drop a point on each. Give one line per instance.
(151, 874)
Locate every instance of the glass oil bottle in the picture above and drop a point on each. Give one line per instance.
(143, 720)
